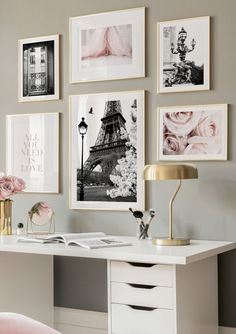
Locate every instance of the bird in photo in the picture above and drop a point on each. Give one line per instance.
(91, 110)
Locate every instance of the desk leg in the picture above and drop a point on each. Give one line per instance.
(26, 285)
(109, 294)
(197, 297)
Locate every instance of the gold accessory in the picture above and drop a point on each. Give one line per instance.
(170, 172)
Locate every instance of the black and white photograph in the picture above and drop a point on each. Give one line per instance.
(184, 55)
(38, 69)
(107, 46)
(107, 151)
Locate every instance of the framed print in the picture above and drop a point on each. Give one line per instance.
(184, 51)
(193, 133)
(32, 150)
(107, 46)
(107, 151)
(38, 62)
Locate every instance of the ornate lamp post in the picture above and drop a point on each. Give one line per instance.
(82, 127)
(182, 48)
(183, 69)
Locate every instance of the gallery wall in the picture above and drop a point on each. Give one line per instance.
(205, 208)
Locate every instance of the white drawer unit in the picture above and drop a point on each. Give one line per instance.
(157, 298)
(141, 273)
(141, 298)
(142, 295)
(131, 320)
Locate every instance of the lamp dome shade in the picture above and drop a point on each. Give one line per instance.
(170, 172)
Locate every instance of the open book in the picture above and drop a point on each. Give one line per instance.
(87, 240)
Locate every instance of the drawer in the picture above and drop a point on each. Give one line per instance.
(128, 320)
(142, 295)
(137, 273)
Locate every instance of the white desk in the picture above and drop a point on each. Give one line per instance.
(151, 289)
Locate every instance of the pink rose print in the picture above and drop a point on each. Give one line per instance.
(181, 123)
(192, 133)
(174, 145)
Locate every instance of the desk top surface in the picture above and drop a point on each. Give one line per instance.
(140, 250)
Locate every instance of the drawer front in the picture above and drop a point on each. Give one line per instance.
(127, 320)
(161, 275)
(142, 295)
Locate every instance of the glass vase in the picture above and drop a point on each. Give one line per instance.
(6, 217)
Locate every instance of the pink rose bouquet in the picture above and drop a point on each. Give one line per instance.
(10, 185)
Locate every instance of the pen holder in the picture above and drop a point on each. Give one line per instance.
(142, 231)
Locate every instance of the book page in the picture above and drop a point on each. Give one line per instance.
(60, 237)
(98, 242)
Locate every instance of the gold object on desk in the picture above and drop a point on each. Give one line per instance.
(170, 172)
(6, 217)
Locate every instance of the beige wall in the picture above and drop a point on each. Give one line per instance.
(205, 208)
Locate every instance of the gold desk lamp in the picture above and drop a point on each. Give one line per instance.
(170, 172)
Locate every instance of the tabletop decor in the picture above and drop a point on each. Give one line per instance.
(184, 49)
(142, 230)
(170, 172)
(193, 132)
(9, 186)
(107, 151)
(40, 216)
(107, 46)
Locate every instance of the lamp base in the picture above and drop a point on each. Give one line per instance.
(170, 242)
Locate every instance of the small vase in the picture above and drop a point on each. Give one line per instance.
(6, 217)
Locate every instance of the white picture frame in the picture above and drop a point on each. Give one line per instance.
(32, 150)
(107, 46)
(187, 133)
(38, 69)
(115, 136)
(183, 55)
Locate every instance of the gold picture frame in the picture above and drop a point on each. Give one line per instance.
(107, 46)
(38, 69)
(192, 133)
(32, 150)
(183, 55)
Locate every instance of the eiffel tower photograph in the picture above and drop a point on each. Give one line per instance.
(104, 146)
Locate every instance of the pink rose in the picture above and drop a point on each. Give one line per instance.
(203, 145)
(44, 208)
(6, 190)
(181, 123)
(2, 179)
(10, 185)
(174, 145)
(18, 184)
(208, 125)
(41, 213)
(206, 138)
